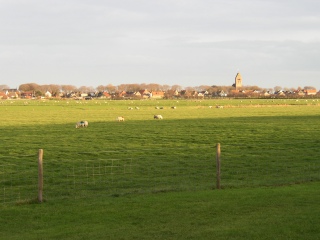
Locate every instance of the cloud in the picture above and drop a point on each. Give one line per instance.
(185, 42)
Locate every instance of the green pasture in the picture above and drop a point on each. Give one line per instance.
(144, 167)
(287, 212)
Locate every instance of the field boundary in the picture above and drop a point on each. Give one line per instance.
(115, 173)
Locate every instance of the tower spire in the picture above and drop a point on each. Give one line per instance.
(238, 81)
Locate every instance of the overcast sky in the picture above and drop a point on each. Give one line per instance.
(185, 42)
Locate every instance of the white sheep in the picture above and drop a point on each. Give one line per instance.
(82, 124)
(120, 119)
(157, 117)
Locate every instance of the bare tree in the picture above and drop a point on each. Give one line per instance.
(110, 88)
(84, 89)
(165, 87)
(176, 87)
(68, 88)
(122, 87)
(101, 88)
(4, 87)
(29, 87)
(202, 88)
(190, 89)
(55, 89)
(309, 87)
(277, 88)
(153, 87)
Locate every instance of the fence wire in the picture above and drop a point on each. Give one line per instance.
(121, 172)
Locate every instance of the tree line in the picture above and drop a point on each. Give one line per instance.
(55, 89)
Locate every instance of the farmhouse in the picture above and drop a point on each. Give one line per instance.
(221, 93)
(104, 95)
(157, 94)
(28, 94)
(145, 93)
(3, 95)
(48, 94)
(311, 91)
(10, 93)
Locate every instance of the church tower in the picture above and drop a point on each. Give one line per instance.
(238, 81)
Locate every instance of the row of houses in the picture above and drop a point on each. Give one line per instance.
(279, 93)
(145, 94)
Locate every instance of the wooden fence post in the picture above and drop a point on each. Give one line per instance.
(218, 166)
(40, 175)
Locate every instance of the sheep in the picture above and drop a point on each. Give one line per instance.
(173, 107)
(137, 108)
(219, 106)
(157, 117)
(82, 124)
(120, 119)
(130, 108)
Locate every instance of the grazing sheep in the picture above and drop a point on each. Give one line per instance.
(157, 117)
(81, 124)
(130, 108)
(137, 108)
(157, 108)
(219, 106)
(173, 107)
(120, 119)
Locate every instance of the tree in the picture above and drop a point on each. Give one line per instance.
(153, 87)
(176, 87)
(202, 88)
(101, 88)
(68, 88)
(110, 88)
(165, 87)
(29, 87)
(83, 89)
(277, 88)
(38, 93)
(309, 87)
(55, 89)
(4, 87)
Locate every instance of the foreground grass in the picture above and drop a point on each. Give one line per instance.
(289, 212)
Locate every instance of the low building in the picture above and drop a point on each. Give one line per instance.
(48, 94)
(310, 91)
(157, 94)
(27, 94)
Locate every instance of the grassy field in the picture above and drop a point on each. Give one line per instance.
(287, 212)
(146, 178)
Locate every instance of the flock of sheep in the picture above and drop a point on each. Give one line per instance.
(84, 124)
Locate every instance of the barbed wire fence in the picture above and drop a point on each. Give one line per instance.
(120, 172)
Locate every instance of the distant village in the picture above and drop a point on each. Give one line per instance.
(152, 91)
